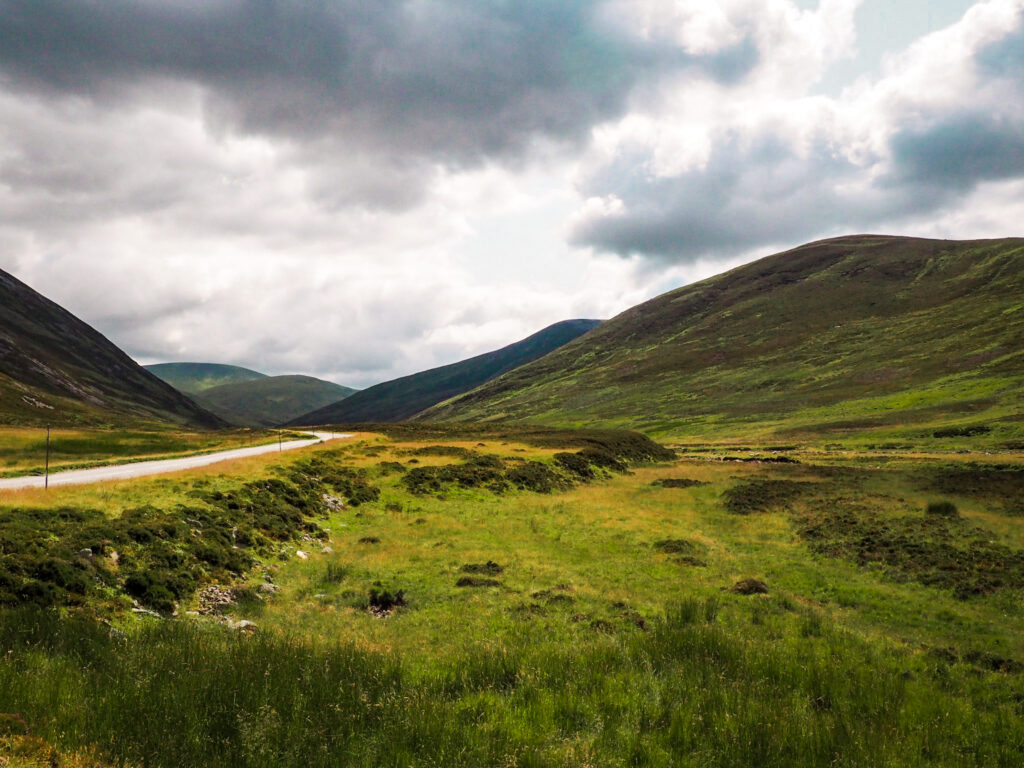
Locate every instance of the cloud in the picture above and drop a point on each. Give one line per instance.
(766, 167)
(450, 81)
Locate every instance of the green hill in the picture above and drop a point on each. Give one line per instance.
(270, 400)
(855, 335)
(55, 369)
(401, 398)
(199, 377)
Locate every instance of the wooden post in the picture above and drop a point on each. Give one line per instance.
(46, 479)
(279, 448)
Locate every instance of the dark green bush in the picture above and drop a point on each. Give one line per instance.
(942, 509)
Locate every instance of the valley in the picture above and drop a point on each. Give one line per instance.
(770, 519)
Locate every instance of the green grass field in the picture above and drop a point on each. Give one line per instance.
(480, 602)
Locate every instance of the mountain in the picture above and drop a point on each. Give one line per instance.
(55, 369)
(198, 377)
(271, 400)
(854, 333)
(399, 399)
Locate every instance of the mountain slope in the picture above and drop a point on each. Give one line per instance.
(844, 334)
(198, 377)
(401, 398)
(55, 369)
(272, 400)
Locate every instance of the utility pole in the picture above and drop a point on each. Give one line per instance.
(46, 479)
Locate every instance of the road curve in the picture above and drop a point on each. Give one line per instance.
(158, 466)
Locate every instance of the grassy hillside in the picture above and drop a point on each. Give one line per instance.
(401, 398)
(270, 400)
(448, 597)
(880, 337)
(55, 369)
(198, 377)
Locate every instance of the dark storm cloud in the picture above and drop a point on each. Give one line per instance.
(451, 81)
(960, 151)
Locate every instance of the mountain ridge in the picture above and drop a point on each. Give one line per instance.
(827, 332)
(401, 398)
(56, 369)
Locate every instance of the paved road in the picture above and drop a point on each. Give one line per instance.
(160, 466)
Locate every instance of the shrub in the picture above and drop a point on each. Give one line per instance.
(942, 509)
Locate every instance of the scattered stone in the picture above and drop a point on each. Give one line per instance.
(214, 599)
(245, 626)
(333, 503)
(301, 555)
(268, 589)
(327, 550)
(146, 612)
(114, 557)
(749, 587)
(87, 553)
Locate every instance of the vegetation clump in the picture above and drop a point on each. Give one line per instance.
(942, 509)
(762, 495)
(677, 482)
(749, 587)
(934, 550)
(490, 568)
(477, 581)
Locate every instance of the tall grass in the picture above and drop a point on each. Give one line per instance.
(687, 692)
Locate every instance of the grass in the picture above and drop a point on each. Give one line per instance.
(600, 627)
(23, 451)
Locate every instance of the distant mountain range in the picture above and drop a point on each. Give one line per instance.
(854, 333)
(865, 334)
(249, 398)
(402, 398)
(199, 377)
(55, 369)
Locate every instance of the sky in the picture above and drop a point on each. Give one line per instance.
(358, 191)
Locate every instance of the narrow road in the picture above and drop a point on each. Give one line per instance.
(159, 466)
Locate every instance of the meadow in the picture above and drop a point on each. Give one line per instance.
(433, 596)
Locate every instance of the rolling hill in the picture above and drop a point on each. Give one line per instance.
(271, 400)
(404, 397)
(56, 369)
(198, 377)
(853, 335)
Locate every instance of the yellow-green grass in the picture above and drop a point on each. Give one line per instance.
(597, 539)
(594, 628)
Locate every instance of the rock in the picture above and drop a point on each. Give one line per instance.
(85, 552)
(268, 589)
(114, 557)
(301, 555)
(749, 587)
(146, 612)
(214, 598)
(333, 503)
(327, 550)
(245, 626)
